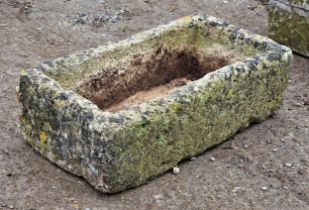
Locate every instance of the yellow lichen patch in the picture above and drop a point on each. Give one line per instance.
(43, 137)
(60, 103)
(230, 93)
(186, 18)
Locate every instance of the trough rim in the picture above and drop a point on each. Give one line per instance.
(255, 39)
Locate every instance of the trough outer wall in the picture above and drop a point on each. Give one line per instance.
(128, 151)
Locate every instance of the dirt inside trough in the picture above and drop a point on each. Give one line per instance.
(149, 76)
(153, 93)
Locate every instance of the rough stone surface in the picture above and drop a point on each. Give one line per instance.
(117, 151)
(289, 24)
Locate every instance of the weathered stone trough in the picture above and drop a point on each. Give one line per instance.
(121, 114)
(289, 24)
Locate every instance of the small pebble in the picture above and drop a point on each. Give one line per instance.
(288, 164)
(193, 158)
(285, 187)
(297, 104)
(236, 189)
(87, 208)
(275, 150)
(158, 197)
(176, 170)
(11, 207)
(121, 72)
(246, 146)
(264, 188)
(224, 2)
(212, 158)
(251, 7)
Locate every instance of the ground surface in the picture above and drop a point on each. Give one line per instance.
(263, 167)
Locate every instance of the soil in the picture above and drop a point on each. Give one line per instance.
(263, 167)
(142, 75)
(150, 94)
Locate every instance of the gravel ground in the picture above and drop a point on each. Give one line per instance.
(264, 167)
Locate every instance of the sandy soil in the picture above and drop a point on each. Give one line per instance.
(153, 93)
(263, 167)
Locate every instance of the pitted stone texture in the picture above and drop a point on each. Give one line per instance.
(121, 150)
(289, 24)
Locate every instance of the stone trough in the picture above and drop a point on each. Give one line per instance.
(123, 113)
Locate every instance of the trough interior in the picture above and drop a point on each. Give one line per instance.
(152, 75)
(149, 69)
